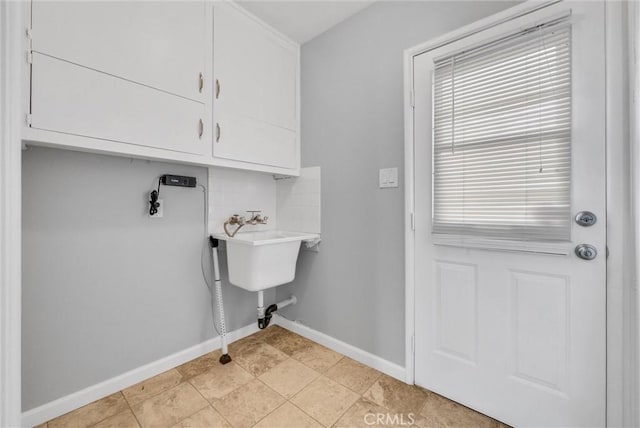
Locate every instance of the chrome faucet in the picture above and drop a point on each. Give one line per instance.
(239, 222)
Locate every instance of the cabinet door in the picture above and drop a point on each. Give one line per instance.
(77, 100)
(255, 106)
(159, 44)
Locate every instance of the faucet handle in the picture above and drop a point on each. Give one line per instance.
(253, 213)
(238, 219)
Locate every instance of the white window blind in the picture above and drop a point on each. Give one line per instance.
(502, 138)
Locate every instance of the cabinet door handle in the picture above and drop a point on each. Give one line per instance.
(217, 132)
(217, 89)
(201, 84)
(200, 128)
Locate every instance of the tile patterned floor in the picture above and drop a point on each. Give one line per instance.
(276, 379)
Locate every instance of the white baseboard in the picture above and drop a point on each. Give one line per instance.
(88, 395)
(364, 357)
(80, 398)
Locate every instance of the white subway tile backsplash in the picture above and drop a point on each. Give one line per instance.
(298, 201)
(235, 192)
(291, 204)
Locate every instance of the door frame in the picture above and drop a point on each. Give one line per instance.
(622, 324)
(10, 211)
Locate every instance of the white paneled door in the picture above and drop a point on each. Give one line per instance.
(514, 328)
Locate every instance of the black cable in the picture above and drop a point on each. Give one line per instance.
(155, 195)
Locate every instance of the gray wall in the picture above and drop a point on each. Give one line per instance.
(352, 125)
(105, 288)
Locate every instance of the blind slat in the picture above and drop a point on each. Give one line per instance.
(502, 139)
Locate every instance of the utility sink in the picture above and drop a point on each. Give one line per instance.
(261, 260)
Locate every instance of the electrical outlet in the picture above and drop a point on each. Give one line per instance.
(160, 212)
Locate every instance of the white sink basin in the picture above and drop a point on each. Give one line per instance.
(260, 260)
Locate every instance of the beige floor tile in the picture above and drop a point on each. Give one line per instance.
(92, 413)
(248, 404)
(169, 407)
(207, 417)
(44, 425)
(366, 414)
(153, 386)
(353, 375)
(325, 400)
(238, 399)
(286, 341)
(121, 420)
(272, 330)
(288, 416)
(289, 377)
(317, 357)
(199, 365)
(395, 395)
(220, 380)
(241, 344)
(442, 412)
(258, 357)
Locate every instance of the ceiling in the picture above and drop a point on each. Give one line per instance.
(303, 20)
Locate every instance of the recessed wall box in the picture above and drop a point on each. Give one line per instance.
(178, 180)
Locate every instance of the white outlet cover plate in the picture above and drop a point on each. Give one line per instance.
(388, 177)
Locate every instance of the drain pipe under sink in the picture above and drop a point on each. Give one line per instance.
(264, 316)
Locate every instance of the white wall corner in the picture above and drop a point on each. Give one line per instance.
(298, 201)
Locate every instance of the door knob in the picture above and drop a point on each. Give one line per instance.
(586, 251)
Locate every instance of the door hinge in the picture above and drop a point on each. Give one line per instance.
(28, 119)
(413, 344)
(29, 34)
(412, 99)
(413, 221)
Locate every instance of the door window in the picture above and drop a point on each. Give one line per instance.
(502, 137)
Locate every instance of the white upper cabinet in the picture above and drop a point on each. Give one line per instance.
(158, 44)
(129, 72)
(255, 91)
(192, 81)
(78, 101)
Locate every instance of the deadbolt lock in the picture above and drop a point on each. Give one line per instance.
(586, 218)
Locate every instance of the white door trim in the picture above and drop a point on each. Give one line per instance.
(631, 358)
(622, 342)
(10, 213)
